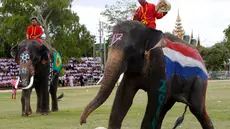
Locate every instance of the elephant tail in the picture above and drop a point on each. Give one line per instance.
(180, 119)
(60, 96)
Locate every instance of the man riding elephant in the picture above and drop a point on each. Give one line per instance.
(174, 73)
(169, 69)
(37, 71)
(39, 68)
(147, 14)
(34, 31)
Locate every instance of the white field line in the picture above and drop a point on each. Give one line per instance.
(95, 86)
(59, 88)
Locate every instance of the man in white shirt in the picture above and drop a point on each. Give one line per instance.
(70, 78)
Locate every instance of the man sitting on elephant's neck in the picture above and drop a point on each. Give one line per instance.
(147, 14)
(34, 31)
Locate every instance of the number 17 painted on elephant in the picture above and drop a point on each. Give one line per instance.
(161, 98)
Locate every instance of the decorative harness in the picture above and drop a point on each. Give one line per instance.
(143, 17)
(33, 32)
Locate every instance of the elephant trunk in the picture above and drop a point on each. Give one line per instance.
(113, 69)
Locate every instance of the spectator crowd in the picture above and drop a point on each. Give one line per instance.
(8, 70)
(82, 71)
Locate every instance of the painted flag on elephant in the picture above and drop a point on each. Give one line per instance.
(183, 60)
(57, 64)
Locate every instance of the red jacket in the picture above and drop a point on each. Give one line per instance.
(147, 15)
(33, 31)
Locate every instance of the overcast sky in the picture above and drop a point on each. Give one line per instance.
(207, 18)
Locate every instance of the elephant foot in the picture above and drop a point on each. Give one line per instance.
(38, 111)
(45, 112)
(30, 112)
(55, 110)
(25, 114)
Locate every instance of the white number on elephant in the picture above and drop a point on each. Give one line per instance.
(116, 37)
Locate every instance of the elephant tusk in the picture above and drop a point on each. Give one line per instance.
(31, 83)
(17, 82)
(120, 79)
(162, 43)
(100, 80)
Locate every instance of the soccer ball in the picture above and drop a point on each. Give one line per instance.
(100, 128)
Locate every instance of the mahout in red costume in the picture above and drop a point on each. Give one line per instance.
(34, 31)
(147, 14)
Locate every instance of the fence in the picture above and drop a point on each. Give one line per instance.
(219, 75)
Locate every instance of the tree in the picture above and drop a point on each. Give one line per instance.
(15, 19)
(215, 57)
(227, 37)
(203, 51)
(122, 10)
(77, 42)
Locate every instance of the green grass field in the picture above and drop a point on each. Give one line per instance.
(71, 106)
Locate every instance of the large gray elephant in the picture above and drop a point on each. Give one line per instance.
(36, 70)
(137, 51)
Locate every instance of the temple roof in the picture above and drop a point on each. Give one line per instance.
(179, 32)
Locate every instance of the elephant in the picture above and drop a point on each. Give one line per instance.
(36, 70)
(141, 54)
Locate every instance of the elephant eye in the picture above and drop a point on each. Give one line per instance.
(36, 59)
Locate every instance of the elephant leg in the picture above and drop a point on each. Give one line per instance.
(198, 107)
(45, 102)
(53, 92)
(156, 98)
(166, 107)
(23, 102)
(123, 101)
(44, 98)
(28, 109)
(44, 87)
(38, 92)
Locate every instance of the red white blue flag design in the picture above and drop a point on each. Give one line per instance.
(183, 60)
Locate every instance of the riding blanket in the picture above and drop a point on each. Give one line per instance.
(56, 61)
(183, 60)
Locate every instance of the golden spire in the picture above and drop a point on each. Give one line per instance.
(178, 16)
(178, 30)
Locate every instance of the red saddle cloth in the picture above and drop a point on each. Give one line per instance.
(39, 40)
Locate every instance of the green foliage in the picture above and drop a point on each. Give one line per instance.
(227, 37)
(215, 57)
(120, 11)
(203, 51)
(14, 21)
(61, 26)
(2, 54)
(62, 72)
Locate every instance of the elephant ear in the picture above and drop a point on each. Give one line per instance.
(14, 53)
(45, 54)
